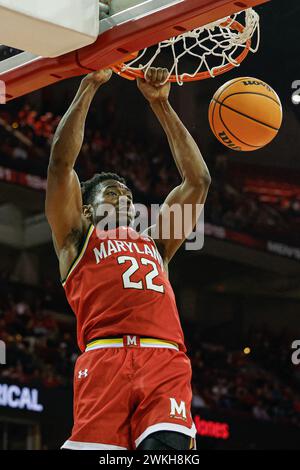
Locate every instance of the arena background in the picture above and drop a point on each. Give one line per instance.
(242, 290)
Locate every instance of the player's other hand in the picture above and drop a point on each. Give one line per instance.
(152, 85)
(100, 77)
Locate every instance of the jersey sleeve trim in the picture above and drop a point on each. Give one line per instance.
(80, 255)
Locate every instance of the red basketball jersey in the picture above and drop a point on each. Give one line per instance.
(118, 286)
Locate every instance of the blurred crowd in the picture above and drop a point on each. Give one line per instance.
(42, 350)
(26, 136)
(236, 381)
(40, 346)
(26, 144)
(269, 210)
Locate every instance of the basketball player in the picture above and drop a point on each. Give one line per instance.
(132, 382)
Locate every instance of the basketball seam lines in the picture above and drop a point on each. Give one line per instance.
(212, 118)
(215, 104)
(232, 82)
(245, 115)
(253, 93)
(228, 130)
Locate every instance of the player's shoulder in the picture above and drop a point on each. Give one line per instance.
(73, 248)
(74, 238)
(78, 237)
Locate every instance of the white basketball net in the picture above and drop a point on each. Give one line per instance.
(219, 42)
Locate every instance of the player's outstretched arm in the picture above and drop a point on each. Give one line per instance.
(191, 166)
(63, 196)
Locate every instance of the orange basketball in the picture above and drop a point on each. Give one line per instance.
(245, 114)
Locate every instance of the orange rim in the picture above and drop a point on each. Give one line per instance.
(132, 74)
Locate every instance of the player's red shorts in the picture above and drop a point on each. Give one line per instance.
(127, 388)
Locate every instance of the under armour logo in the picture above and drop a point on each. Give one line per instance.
(177, 409)
(83, 373)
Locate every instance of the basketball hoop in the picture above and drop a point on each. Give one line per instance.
(194, 52)
(220, 46)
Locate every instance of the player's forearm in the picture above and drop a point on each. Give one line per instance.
(186, 153)
(69, 135)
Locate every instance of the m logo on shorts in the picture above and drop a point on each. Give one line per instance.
(83, 373)
(177, 411)
(131, 341)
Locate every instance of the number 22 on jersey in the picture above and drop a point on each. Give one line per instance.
(149, 277)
